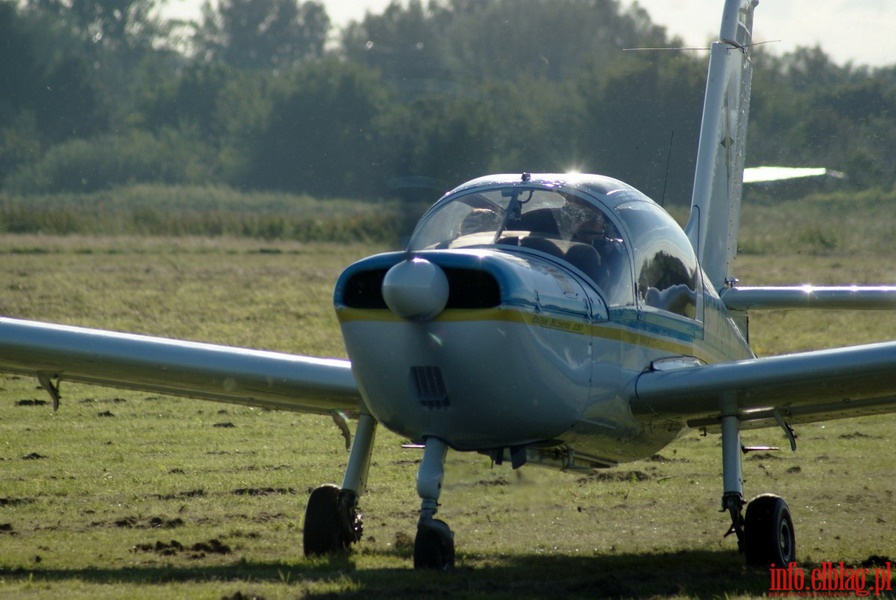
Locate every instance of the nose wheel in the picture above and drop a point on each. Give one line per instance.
(434, 544)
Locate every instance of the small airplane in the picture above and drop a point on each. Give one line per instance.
(563, 320)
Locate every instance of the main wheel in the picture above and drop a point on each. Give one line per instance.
(768, 532)
(434, 546)
(332, 524)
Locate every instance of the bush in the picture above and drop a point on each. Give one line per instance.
(108, 161)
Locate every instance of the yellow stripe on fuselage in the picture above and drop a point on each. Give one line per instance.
(603, 330)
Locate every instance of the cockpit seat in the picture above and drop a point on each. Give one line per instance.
(542, 244)
(540, 221)
(588, 261)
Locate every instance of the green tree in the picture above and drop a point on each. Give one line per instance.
(263, 34)
(502, 85)
(438, 141)
(477, 40)
(640, 122)
(405, 45)
(127, 28)
(323, 135)
(809, 111)
(555, 40)
(189, 98)
(48, 91)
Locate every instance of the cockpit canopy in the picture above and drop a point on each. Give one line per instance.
(601, 228)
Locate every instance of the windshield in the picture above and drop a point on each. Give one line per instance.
(568, 227)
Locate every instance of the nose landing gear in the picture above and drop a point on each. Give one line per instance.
(434, 544)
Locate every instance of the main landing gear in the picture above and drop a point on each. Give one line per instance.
(765, 534)
(332, 521)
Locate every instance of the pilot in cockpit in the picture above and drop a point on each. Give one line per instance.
(591, 229)
(595, 243)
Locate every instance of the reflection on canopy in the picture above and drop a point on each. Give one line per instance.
(629, 250)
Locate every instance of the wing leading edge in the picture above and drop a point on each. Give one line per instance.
(179, 368)
(795, 388)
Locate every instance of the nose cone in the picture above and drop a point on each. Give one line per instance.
(415, 289)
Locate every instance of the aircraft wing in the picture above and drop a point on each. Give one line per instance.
(166, 366)
(795, 388)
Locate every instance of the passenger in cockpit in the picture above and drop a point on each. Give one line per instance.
(479, 220)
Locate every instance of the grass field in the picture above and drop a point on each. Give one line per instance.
(128, 495)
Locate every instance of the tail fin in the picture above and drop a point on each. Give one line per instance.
(718, 180)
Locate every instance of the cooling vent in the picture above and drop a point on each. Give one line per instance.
(362, 290)
(471, 288)
(429, 387)
(467, 288)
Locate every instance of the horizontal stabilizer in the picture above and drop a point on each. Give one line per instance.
(772, 174)
(808, 296)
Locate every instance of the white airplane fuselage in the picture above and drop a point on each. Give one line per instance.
(525, 349)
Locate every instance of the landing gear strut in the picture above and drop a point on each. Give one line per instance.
(434, 544)
(332, 521)
(765, 535)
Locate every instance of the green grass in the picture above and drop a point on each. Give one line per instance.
(123, 494)
(155, 210)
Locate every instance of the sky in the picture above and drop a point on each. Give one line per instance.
(857, 31)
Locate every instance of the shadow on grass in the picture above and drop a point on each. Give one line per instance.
(694, 573)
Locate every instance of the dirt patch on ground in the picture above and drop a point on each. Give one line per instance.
(627, 476)
(151, 523)
(16, 501)
(265, 491)
(659, 458)
(31, 402)
(764, 456)
(174, 547)
(242, 596)
(200, 493)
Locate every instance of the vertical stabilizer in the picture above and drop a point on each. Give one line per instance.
(718, 180)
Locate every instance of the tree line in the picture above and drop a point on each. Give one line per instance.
(266, 95)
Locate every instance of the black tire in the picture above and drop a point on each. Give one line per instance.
(321, 535)
(768, 532)
(434, 547)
